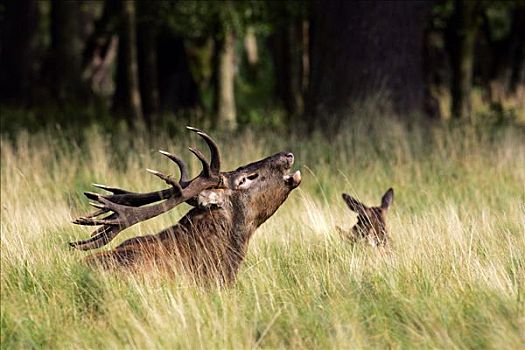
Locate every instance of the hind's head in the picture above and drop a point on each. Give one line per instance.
(371, 221)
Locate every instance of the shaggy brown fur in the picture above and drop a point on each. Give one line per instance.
(211, 240)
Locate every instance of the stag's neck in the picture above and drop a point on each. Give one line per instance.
(223, 229)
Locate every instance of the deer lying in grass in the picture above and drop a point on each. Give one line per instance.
(211, 240)
(371, 221)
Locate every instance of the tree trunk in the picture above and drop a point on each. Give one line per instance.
(66, 51)
(250, 46)
(226, 117)
(462, 36)
(436, 72)
(148, 69)
(288, 65)
(177, 88)
(127, 100)
(17, 51)
(517, 78)
(366, 50)
(504, 56)
(251, 51)
(305, 57)
(99, 51)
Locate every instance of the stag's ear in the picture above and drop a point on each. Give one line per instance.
(387, 199)
(353, 203)
(212, 198)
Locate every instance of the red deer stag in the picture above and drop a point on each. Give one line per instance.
(371, 221)
(211, 240)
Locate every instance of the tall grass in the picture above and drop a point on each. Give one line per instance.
(454, 279)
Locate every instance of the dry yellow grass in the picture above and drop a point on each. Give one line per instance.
(454, 278)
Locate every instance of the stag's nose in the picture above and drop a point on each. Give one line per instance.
(289, 157)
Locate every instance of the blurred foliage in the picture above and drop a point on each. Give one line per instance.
(200, 24)
(201, 19)
(498, 13)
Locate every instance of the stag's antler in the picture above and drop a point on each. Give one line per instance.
(127, 208)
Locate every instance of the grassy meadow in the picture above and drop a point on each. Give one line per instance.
(454, 278)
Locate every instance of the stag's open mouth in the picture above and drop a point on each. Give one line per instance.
(292, 180)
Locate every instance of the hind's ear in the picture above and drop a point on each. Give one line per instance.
(387, 199)
(353, 203)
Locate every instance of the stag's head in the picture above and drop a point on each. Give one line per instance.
(371, 221)
(259, 188)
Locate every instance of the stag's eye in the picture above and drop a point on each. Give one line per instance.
(246, 181)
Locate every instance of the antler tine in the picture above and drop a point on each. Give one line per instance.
(184, 175)
(99, 206)
(205, 165)
(99, 238)
(98, 212)
(167, 179)
(91, 195)
(114, 190)
(215, 163)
